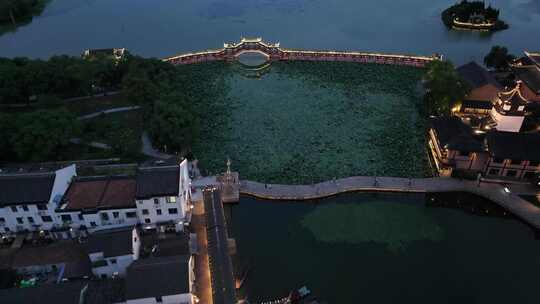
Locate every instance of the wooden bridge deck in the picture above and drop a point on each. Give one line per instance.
(494, 192)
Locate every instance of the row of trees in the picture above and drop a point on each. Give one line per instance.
(22, 79)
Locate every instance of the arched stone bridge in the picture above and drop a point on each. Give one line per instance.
(274, 52)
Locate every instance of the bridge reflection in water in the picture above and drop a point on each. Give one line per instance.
(253, 59)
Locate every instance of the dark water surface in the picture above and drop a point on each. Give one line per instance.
(384, 248)
(165, 27)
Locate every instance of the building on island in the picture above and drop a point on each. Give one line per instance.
(28, 201)
(164, 196)
(115, 53)
(454, 145)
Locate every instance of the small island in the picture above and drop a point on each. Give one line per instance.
(473, 15)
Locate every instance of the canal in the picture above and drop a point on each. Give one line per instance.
(385, 248)
(165, 27)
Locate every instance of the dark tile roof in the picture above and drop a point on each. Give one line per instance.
(158, 181)
(534, 57)
(476, 76)
(516, 146)
(105, 291)
(112, 244)
(477, 104)
(168, 244)
(97, 292)
(157, 276)
(100, 193)
(456, 135)
(63, 293)
(530, 75)
(25, 188)
(223, 286)
(67, 252)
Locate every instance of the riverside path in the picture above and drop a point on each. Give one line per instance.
(494, 192)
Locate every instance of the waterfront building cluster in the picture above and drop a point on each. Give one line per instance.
(66, 206)
(494, 131)
(115, 239)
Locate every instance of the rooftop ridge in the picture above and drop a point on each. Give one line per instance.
(27, 174)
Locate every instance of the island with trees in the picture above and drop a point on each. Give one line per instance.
(473, 15)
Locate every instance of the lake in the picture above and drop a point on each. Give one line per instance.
(383, 248)
(162, 28)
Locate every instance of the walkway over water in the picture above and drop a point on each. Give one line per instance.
(274, 52)
(494, 192)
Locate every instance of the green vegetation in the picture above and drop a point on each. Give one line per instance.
(122, 131)
(305, 122)
(444, 88)
(498, 58)
(391, 224)
(26, 81)
(36, 135)
(474, 12)
(18, 12)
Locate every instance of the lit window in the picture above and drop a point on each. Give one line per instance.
(171, 199)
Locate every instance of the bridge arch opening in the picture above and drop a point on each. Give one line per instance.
(252, 58)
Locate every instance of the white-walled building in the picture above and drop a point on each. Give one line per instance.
(111, 252)
(68, 206)
(164, 196)
(97, 203)
(509, 110)
(28, 201)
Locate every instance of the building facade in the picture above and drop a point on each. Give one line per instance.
(67, 206)
(28, 201)
(164, 196)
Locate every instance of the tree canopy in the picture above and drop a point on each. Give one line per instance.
(444, 87)
(498, 58)
(174, 123)
(38, 135)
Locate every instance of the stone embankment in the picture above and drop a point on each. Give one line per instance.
(510, 201)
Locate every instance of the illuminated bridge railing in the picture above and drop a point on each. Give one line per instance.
(231, 51)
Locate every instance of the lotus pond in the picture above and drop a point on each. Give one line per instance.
(303, 122)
